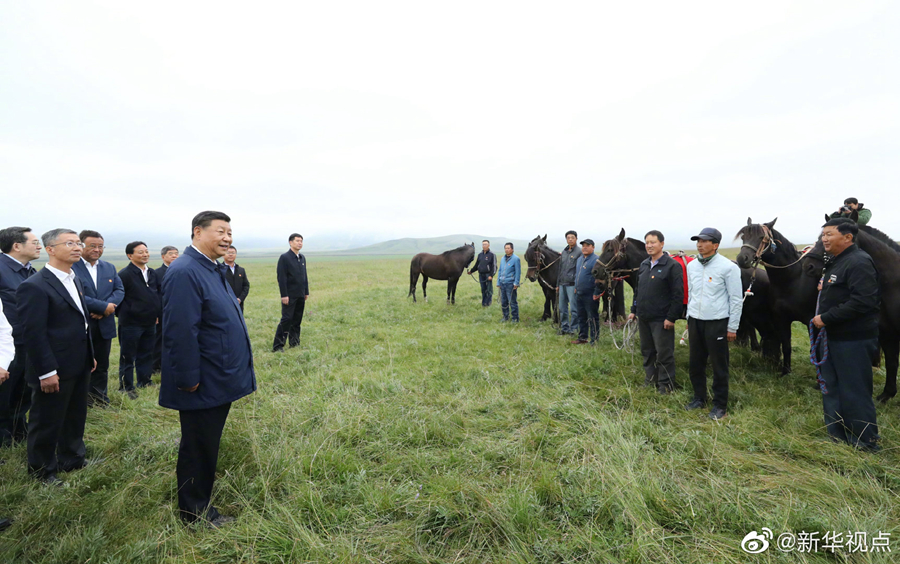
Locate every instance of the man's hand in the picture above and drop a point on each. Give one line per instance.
(97, 316)
(732, 337)
(285, 301)
(490, 278)
(239, 300)
(596, 298)
(4, 375)
(306, 297)
(817, 321)
(192, 389)
(668, 325)
(631, 317)
(95, 366)
(515, 287)
(50, 385)
(110, 309)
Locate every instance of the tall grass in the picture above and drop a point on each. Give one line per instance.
(433, 433)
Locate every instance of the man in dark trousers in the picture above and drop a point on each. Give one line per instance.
(848, 311)
(294, 288)
(139, 315)
(54, 321)
(207, 360)
(486, 265)
(169, 254)
(587, 297)
(19, 247)
(658, 303)
(103, 292)
(236, 276)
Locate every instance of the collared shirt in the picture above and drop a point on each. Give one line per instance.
(7, 348)
(26, 265)
(68, 282)
(204, 254)
(145, 272)
(92, 270)
(654, 262)
(231, 266)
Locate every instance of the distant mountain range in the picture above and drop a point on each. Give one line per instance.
(412, 245)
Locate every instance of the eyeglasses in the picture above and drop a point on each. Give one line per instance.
(70, 244)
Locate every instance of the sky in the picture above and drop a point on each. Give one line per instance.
(354, 123)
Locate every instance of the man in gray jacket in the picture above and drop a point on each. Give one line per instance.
(568, 313)
(715, 303)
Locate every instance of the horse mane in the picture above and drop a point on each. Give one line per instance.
(529, 253)
(457, 250)
(615, 245)
(881, 236)
(756, 230)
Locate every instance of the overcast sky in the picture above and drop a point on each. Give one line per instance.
(355, 122)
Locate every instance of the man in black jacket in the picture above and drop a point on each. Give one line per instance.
(848, 310)
(19, 247)
(658, 302)
(486, 265)
(54, 317)
(236, 276)
(294, 288)
(169, 254)
(139, 315)
(568, 312)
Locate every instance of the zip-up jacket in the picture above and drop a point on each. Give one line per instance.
(661, 290)
(863, 215)
(510, 270)
(567, 259)
(486, 263)
(584, 280)
(715, 291)
(849, 300)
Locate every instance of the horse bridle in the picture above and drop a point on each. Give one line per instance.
(538, 257)
(765, 245)
(620, 254)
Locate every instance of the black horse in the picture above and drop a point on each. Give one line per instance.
(622, 257)
(448, 266)
(886, 254)
(791, 295)
(619, 259)
(543, 267)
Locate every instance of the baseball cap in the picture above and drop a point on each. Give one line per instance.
(587, 242)
(708, 234)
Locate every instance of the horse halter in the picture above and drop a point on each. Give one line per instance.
(618, 255)
(538, 267)
(766, 244)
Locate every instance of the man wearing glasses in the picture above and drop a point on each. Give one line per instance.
(19, 247)
(53, 317)
(103, 292)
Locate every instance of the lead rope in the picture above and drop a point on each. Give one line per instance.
(814, 341)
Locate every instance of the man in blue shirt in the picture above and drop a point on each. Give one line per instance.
(587, 299)
(510, 269)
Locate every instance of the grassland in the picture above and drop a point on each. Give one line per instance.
(429, 433)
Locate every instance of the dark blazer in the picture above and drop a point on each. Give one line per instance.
(239, 282)
(11, 275)
(161, 272)
(142, 305)
(659, 293)
(55, 339)
(292, 282)
(109, 290)
(205, 339)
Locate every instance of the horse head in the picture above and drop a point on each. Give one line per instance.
(613, 254)
(758, 242)
(534, 255)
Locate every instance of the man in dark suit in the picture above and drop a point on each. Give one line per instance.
(138, 316)
(103, 292)
(54, 320)
(294, 288)
(207, 360)
(236, 276)
(19, 246)
(169, 254)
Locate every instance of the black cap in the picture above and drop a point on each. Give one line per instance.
(708, 234)
(588, 242)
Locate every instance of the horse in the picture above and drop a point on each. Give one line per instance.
(884, 252)
(448, 266)
(791, 296)
(543, 267)
(622, 257)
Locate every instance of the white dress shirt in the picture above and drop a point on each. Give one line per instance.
(215, 262)
(7, 348)
(146, 274)
(92, 270)
(68, 282)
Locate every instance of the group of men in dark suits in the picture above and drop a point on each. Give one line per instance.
(57, 328)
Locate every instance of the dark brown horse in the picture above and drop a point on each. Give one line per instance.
(448, 266)
(884, 252)
(543, 268)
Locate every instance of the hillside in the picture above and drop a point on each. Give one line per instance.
(412, 245)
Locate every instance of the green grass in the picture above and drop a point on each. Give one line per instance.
(430, 433)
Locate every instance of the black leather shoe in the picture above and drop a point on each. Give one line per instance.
(696, 404)
(132, 394)
(84, 464)
(51, 480)
(5, 524)
(717, 414)
(220, 521)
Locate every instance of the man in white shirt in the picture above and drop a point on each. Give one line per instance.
(54, 320)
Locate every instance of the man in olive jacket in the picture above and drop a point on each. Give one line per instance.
(207, 361)
(658, 302)
(848, 310)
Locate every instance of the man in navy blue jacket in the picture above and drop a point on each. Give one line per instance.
(103, 292)
(586, 295)
(19, 247)
(207, 362)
